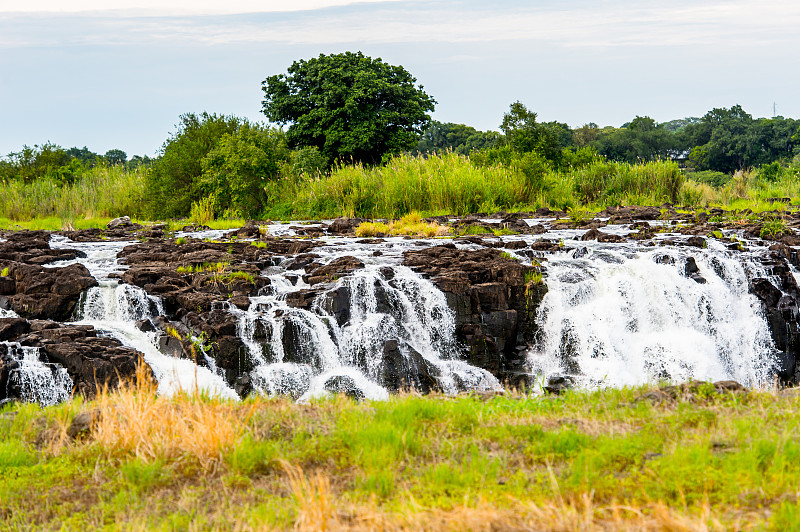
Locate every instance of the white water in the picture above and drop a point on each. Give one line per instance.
(114, 309)
(46, 384)
(410, 310)
(617, 317)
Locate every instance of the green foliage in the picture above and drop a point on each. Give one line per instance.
(115, 157)
(100, 192)
(524, 134)
(308, 162)
(174, 180)
(230, 277)
(459, 138)
(348, 105)
(533, 278)
(612, 182)
(202, 211)
(772, 227)
(5, 272)
(236, 169)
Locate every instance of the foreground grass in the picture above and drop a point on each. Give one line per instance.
(601, 460)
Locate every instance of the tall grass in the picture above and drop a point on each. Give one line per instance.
(451, 183)
(444, 183)
(100, 192)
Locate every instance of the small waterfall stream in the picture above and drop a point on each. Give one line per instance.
(345, 332)
(33, 379)
(113, 309)
(614, 315)
(627, 315)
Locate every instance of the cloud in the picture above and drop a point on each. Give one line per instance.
(571, 24)
(174, 7)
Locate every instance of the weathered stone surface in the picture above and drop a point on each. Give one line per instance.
(48, 293)
(90, 360)
(317, 273)
(494, 306)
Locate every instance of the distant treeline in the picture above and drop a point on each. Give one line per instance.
(65, 166)
(723, 140)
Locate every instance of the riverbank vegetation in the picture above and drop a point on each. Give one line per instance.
(696, 457)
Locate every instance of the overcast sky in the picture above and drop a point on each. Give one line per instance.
(80, 74)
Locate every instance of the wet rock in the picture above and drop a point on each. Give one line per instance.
(579, 253)
(696, 241)
(344, 225)
(83, 424)
(558, 384)
(91, 361)
(344, 384)
(596, 234)
(145, 325)
(409, 371)
(49, 293)
(121, 222)
(332, 271)
(494, 306)
(171, 346)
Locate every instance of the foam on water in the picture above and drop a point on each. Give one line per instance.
(114, 309)
(36, 381)
(626, 316)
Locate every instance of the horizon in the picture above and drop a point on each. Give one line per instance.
(106, 79)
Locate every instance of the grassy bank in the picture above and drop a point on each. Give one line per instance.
(447, 183)
(601, 460)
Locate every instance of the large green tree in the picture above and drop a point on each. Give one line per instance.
(348, 105)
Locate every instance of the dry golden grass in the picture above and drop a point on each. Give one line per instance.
(137, 422)
(410, 225)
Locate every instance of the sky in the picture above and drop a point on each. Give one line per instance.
(79, 73)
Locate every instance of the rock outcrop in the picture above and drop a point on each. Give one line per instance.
(495, 300)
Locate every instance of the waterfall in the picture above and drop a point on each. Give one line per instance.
(113, 309)
(34, 380)
(344, 333)
(620, 316)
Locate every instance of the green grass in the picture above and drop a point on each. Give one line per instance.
(585, 460)
(227, 278)
(444, 183)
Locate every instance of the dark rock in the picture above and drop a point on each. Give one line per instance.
(344, 225)
(84, 424)
(596, 234)
(332, 271)
(696, 241)
(409, 371)
(49, 293)
(558, 384)
(344, 384)
(171, 346)
(145, 325)
(122, 221)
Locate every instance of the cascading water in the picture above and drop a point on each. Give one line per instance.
(113, 309)
(34, 380)
(298, 351)
(627, 315)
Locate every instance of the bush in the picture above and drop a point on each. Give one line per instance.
(236, 169)
(173, 184)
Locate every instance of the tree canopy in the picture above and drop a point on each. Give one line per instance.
(348, 105)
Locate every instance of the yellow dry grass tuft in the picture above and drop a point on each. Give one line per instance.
(411, 224)
(184, 428)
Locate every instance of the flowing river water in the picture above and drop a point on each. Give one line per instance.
(614, 315)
